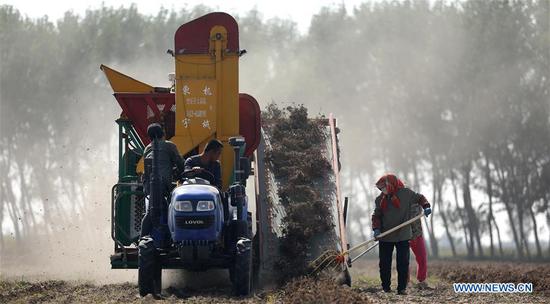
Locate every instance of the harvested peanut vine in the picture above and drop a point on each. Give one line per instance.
(297, 157)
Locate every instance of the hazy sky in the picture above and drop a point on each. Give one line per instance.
(299, 11)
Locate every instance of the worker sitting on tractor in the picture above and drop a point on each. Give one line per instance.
(206, 165)
(169, 158)
(393, 207)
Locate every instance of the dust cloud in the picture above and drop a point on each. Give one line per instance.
(451, 96)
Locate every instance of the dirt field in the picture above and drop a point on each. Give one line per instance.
(441, 275)
(365, 288)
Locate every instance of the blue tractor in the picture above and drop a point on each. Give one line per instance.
(198, 227)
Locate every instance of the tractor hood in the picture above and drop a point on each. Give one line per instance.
(196, 192)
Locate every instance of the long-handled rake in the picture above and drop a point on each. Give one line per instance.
(331, 259)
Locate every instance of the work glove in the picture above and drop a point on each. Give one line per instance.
(427, 211)
(376, 232)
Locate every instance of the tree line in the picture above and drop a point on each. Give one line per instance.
(451, 96)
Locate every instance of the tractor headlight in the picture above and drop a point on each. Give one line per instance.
(205, 206)
(184, 206)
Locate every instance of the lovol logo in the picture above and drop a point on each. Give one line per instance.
(194, 222)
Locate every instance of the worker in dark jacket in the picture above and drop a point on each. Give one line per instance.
(393, 207)
(207, 165)
(169, 158)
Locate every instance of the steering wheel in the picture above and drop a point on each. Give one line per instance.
(192, 173)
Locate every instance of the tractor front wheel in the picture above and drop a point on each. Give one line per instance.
(242, 269)
(149, 272)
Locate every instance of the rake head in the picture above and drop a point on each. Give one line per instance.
(329, 260)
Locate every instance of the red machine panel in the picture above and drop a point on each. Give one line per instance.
(249, 122)
(145, 108)
(194, 37)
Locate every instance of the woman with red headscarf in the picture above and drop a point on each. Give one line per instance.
(393, 207)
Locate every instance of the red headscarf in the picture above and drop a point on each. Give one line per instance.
(392, 184)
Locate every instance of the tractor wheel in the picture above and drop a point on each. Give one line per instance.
(232, 274)
(242, 269)
(149, 272)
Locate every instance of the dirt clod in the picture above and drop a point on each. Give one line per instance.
(307, 290)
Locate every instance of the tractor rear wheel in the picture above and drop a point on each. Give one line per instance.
(242, 269)
(149, 272)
